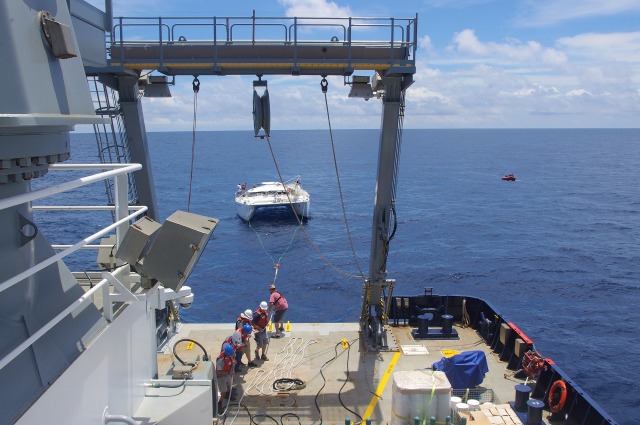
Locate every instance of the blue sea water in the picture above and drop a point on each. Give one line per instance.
(557, 251)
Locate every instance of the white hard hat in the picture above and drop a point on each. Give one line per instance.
(264, 305)
(236, 338)
(248, 314)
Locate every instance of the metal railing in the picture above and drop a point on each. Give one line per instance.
(225, 30)
(164, 32)
(120, 225)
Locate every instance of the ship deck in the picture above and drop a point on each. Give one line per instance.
(338, 382)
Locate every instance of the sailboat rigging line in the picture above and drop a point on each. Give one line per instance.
(196, 89)
(324, 85)
(304, 230)
(276, 264)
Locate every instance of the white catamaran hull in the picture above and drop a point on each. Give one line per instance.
(246, 211)
(271, 195)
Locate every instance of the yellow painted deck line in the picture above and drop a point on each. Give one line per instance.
(381, 385)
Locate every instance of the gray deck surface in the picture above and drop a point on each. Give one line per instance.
(356, 375)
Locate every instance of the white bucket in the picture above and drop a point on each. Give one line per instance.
(462, 407)
(455, 400)
(473, 404)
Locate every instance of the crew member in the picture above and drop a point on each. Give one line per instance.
(235, 339)
(278, 304)
(260, 323)
(225, 371)
(245, 318)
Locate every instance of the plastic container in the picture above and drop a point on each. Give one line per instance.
(473, 404)
(462, 407)
(422, 393)
(454, 400)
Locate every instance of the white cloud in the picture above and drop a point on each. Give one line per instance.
(456, 3)
(424, 43)
(602, 48)
(312, 8)
(551, 12)
(467, 43)
(576, 83)
(583, 80)
(579, 92)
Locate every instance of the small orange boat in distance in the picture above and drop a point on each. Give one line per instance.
(509, 177)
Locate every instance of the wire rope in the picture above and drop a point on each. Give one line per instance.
(304, 230)
(313, 245)
(324, 85)
(196, 89)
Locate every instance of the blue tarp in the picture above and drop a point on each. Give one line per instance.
(464, 370)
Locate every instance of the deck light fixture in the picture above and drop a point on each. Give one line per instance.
(360, 87)
(156, 86)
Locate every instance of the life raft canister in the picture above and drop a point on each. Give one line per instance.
(557, 401)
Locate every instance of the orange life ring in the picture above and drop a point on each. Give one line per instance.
(557, 407)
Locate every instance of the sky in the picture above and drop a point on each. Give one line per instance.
(479, 64)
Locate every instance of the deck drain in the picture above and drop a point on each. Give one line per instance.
(283, 400)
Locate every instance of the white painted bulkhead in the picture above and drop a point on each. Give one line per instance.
(111, 373)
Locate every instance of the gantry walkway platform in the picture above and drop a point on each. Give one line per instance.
(264, 46)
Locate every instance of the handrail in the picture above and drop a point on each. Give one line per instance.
(344, 29)
(116, 169)
(120, 28)
(119, 173)
(41, 265)
(192, 46)
(213, 26)
(293, 28)
(60, 316)
(44, 329)
(253, 34)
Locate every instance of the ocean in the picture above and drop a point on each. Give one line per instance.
(557, 251)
